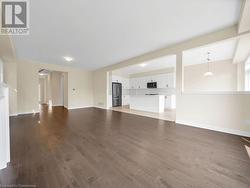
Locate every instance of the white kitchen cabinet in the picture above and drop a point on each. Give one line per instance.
(138, 83)
(125, 100)
(165, 80)
(150, 103)
(125, 83)
(132, 83)
(161, 80)
(171, 80)
(170, 102)
(141, 83)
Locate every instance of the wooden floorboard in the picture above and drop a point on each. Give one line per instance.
(101, 148)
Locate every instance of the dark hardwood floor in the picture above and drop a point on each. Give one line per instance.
(97, 148)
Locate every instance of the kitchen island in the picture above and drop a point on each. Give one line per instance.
(149, 103)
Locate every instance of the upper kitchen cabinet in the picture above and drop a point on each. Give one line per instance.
(138, 83)
(171, 80)
(125, 83)
(142, 83)
(164, 80)
(132, 83)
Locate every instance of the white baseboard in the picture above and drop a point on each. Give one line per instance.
(72, 108)
(101, 107)
(24, 113)
(11, 115)
(219, 129)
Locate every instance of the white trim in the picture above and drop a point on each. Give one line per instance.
(4, 127)
(101, 107)
(72, 108)
(66, 107)
(216, 93)
(57, 105)
(213, 128)
(13, 115)
(24, 113)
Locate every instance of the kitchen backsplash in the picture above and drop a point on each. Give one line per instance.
(160, 91)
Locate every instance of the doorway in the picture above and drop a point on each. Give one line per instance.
(52, 88)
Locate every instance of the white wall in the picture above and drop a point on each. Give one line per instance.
(10, 78)
(154, 72)
(42, 91)
(224, 78)
(56, 88)
(65, 94)
(101, 83)
(27, 87)
(80, 89)
(227, 112)
(241, 76)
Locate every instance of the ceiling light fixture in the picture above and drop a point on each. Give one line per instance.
(208, 73)
(143, 64)
(68, 59)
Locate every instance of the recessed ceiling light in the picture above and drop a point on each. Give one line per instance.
(208, 74)
(68, 59)
(143, 64)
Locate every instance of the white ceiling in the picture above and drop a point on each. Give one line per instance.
(100, 33)
(219, 51)
(156, 64)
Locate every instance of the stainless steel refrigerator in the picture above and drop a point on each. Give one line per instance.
(116, 94)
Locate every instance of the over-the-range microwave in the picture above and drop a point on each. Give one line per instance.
(152, 85)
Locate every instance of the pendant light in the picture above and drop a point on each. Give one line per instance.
(208, 73)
